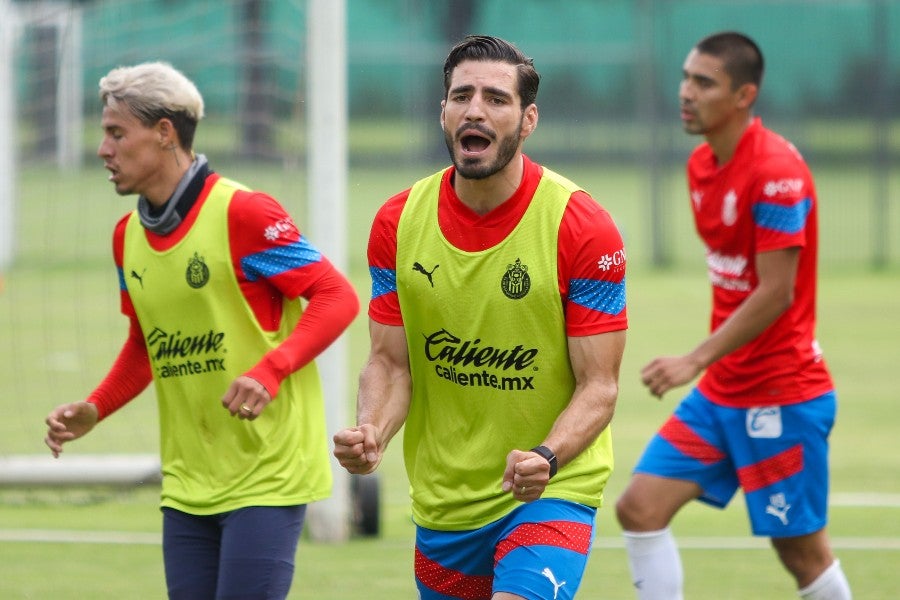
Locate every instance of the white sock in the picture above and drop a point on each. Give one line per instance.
(655, 564)
(830, 585)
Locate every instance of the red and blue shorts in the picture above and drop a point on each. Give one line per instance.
(537, 551)
(777, 455)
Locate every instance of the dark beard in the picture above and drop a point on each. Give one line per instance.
(473, 168)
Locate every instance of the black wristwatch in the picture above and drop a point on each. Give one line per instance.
(548, 454)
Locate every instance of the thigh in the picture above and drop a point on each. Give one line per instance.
(259, 544)
(782, 464)
(692, 446)
(190, 554)
(537, 551)
(455, 564)
(543, 550)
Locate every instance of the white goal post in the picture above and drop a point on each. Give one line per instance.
(7, 144)
(329, 520)
(65, 19)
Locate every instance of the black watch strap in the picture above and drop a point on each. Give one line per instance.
(548, 454)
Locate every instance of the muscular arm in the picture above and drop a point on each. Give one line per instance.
(777, 271)
(385, 389)
(595, 363)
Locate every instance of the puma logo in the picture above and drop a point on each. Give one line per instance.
(419, 268)
(779, 513)
(140, 277)
(778, 507)
(549, 575)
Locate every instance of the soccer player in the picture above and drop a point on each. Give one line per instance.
(760, 416)
(211, 277)
(497, 325)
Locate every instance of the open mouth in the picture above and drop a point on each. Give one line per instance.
(473, 143)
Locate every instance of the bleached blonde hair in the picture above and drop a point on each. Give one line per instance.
(152, 91)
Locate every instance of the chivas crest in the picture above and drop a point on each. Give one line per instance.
(516, 282)
(197, 273)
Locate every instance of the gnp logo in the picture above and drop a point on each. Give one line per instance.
(609, 261)
(782, 186)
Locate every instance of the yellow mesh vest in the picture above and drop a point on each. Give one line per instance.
(201, 334)
(489, 361)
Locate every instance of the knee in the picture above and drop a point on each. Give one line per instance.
(649, 503)
(635, 514)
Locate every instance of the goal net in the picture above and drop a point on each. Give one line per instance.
(60, 325)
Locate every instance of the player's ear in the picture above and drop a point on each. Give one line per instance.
(529, 120)
(168, 138)
(747, 94)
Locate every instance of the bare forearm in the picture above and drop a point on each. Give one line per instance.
(588, 414)
(595, 364)
(758, 312)
(772, 296)
(383, 398)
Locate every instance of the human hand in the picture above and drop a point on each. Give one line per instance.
(667, 372)
(526, 476)
(358, 449)
(69, 422)
(246, 398)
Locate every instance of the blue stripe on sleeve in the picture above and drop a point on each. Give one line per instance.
(786, 219)
(122, 286)
(602, 296)
(275, 261)
(384, 281)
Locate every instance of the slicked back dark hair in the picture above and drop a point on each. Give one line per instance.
(488, 48)
(742, 57)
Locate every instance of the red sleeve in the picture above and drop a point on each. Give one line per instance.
(130, 373)
(333, 304)
(118, 254)
(128, 376)
(384, 305)
(591, 269)
(259, 226)
(783, 198)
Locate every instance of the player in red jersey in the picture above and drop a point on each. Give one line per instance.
(760, 416)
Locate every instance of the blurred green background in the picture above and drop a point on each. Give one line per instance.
(608, 121)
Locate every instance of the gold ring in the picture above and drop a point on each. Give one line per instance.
(246, 409)
(522, 490)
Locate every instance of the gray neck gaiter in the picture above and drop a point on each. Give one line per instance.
(173, 212)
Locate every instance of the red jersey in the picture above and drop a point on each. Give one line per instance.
(591, 255)
(763, 199)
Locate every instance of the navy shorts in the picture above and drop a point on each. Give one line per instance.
(778, 456)
(245, 554)
(538, 551)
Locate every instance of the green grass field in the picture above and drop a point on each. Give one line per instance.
(60, 330)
